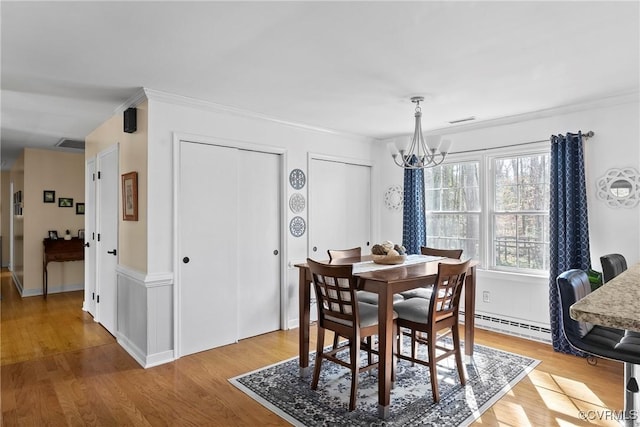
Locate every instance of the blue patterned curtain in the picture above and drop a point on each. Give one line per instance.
(414, 230)
(568, 225)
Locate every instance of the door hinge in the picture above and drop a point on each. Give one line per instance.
(98, 237)
(98, 174)
(98, 299)
(93, 236)
(93, 295)
(94, 176)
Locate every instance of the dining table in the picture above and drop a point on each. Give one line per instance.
(615, 304)
(417, 271)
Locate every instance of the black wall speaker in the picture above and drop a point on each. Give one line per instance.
(130, 120)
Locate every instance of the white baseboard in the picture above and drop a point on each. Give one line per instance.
(146, 361)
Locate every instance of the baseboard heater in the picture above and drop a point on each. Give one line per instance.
(511, 327)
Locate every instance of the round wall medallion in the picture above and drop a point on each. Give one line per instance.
(297, 226)
(297, 179)
(619, 188)
(297, 203)
(393, 198)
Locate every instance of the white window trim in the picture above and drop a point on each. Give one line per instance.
(487, 194)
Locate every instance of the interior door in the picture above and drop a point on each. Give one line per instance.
(89, 238)
(339, 207)
(107, 237)
(207, 247)
(259, 202)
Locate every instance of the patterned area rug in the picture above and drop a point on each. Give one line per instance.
(489, 377)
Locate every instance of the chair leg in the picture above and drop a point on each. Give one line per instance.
(433, 369)
(456, 344)
(367, 341)
(318, 362)
(336, 338)
(355, 370)
(413, 345)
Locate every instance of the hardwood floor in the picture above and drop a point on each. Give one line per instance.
(59, 367)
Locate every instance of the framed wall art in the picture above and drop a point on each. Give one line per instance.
(49, 196)
(65, 202)
(79, 208)
(130, 196)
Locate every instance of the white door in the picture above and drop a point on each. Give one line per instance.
(107, 237)
(90, 238)
(259, 243)
(339, 207)
(207, 247)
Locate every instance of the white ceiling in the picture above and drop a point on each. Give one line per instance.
(344, 66)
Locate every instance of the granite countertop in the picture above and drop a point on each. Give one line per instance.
(615, 304)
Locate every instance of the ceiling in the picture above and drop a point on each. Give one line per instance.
(344, 66)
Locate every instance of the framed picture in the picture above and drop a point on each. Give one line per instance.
(81, 234)
(53, 234)
(49, 196)
(65, 202)
(79, 208)
(130, 196)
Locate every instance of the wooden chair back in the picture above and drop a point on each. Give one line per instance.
(447, 253)
(335, 288)
(445, 301)
(344, 253)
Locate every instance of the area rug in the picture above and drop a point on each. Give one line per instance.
(490, 376)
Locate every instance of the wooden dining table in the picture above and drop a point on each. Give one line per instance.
(385, 283)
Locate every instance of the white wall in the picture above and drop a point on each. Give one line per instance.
(615, 145)
(169, 114)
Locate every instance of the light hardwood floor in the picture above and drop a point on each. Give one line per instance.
(59, 367)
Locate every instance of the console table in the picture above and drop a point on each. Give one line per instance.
(60, 250)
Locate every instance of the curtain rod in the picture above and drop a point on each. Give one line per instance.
(585, 135)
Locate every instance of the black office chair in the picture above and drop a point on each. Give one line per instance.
(612, 265)
(602, 341)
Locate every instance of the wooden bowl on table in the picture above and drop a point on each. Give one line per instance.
(389, 259)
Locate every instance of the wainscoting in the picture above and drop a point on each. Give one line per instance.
(145, 316)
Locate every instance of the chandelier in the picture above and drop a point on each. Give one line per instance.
(420, 155)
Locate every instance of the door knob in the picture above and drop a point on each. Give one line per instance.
(86, 245)
(275, 252)
(315, 249)
(186, 260)
(113, 252)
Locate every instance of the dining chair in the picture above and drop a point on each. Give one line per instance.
(339, 311)
(425, 291)
(432, 316)
(612, 265)
(363, 296)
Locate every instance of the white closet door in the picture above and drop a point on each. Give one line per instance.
(89, 238)
(327, 207)
(107, 238)
(358, 216)
(258, 243)
(207, 247)
(339, 207)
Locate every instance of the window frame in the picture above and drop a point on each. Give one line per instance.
(487, 194)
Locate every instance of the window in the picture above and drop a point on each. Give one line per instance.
(493, 206)
(452, 200)
(520, 217)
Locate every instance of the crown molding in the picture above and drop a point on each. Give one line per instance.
(186, 101)
(609, 101)
(136, 99)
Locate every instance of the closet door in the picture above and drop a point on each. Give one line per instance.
(89, 238)
(339, 207)
(107, 237)
(207, 247)
(259, 245)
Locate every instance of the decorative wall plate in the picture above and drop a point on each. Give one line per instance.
(393, 198)
(297, 179)
(297, 226)
(297, 203)
(619, 188)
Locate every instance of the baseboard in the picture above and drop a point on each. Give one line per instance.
(513, 327)
(139, 356)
